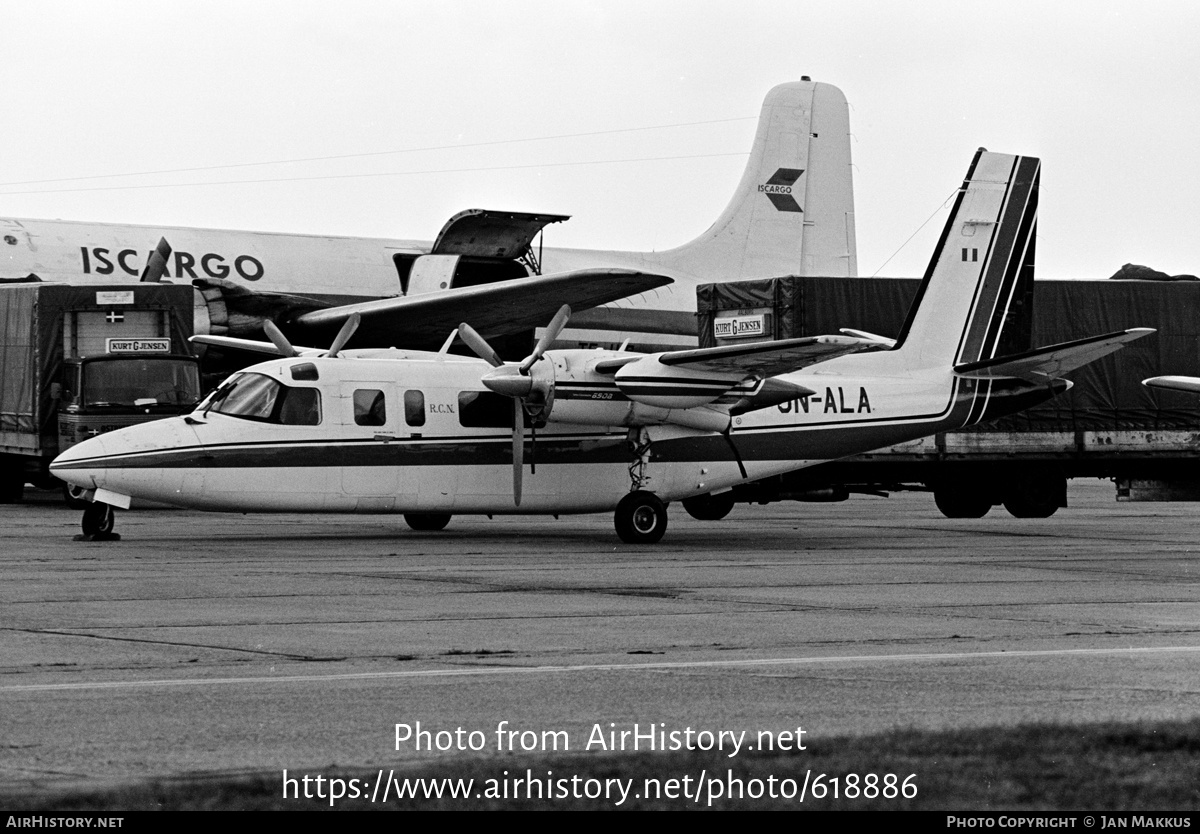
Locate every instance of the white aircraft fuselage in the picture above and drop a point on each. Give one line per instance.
(435, 456)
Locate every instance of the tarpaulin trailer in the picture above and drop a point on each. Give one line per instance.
(1108, 425)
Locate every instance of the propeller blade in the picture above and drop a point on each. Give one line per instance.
(344, 335)
(479, 345)
(518, 438)
(555, 327)
(279, 340)
(156, 264)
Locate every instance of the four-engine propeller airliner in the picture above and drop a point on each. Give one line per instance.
(430, 434)
(791, 214)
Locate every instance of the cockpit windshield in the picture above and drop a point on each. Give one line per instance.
(253, 396)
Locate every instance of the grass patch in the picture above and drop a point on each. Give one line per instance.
(1103, 767)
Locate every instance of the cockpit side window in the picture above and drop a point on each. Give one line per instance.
(259, 397)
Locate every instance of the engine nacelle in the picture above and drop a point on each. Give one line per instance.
(581, 396)
(650, 382)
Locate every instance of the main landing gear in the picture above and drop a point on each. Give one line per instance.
(97, 524)
(641, 518)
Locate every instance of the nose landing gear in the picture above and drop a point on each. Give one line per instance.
(97, 524)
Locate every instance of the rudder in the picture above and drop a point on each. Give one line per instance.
(974, 301)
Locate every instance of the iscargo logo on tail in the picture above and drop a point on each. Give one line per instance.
(779, 189)
(102, 261)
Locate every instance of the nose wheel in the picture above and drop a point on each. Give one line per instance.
(97, 524)
(641, 518)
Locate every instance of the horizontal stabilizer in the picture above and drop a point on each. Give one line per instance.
(870, 337)
(493, 309)
(1174, 383)
(768, 358)
(1050, 362)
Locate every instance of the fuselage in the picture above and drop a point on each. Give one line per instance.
(412, 432)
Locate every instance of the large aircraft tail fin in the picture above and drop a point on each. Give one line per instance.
(793, 211)
(973, 304)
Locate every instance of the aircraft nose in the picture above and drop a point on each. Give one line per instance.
(124, 458)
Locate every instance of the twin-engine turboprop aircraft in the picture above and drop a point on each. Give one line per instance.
(433, 434)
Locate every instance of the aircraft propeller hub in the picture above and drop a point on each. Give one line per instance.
(509, 381)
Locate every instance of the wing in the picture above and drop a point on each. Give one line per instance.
(1174, 383)
(768, 358)
(1050, 362)
(492, 309)
(250, 345)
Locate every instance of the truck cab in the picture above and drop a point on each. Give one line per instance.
(102, 393)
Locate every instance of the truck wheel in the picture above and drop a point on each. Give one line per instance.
(1023, 506)
(1036, 495)
(961, 501)
(641, 518)
(427, 521)
(12, 489)
(709, 507)
(98, 519)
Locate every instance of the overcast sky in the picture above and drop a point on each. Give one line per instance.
(1106, 93)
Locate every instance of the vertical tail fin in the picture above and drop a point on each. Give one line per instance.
(793, 211)
(973, 301)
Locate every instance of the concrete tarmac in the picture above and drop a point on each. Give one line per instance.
(212, 643)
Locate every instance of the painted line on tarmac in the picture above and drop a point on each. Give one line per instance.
(606, 667)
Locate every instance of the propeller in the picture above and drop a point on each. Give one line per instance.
(344, 335)
(531, 392)
(156, 264)
(288, 350)
(279, 340)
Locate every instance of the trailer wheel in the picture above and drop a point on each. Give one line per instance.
(641, 518)
(427, 521)
(961, 501)
(98, 519)
(709, 507)
(1036, 494)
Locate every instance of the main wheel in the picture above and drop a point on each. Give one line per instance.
(961, 501)
(427, 521)
(98, 519)
(709, 507)
(641, 518)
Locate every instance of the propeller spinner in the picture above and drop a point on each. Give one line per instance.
(531, 392)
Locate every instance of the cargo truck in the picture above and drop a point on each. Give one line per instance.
(1108, 425)
(78, 361)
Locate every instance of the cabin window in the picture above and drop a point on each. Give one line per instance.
(414, 408)
(261, 398)
(369, 407)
